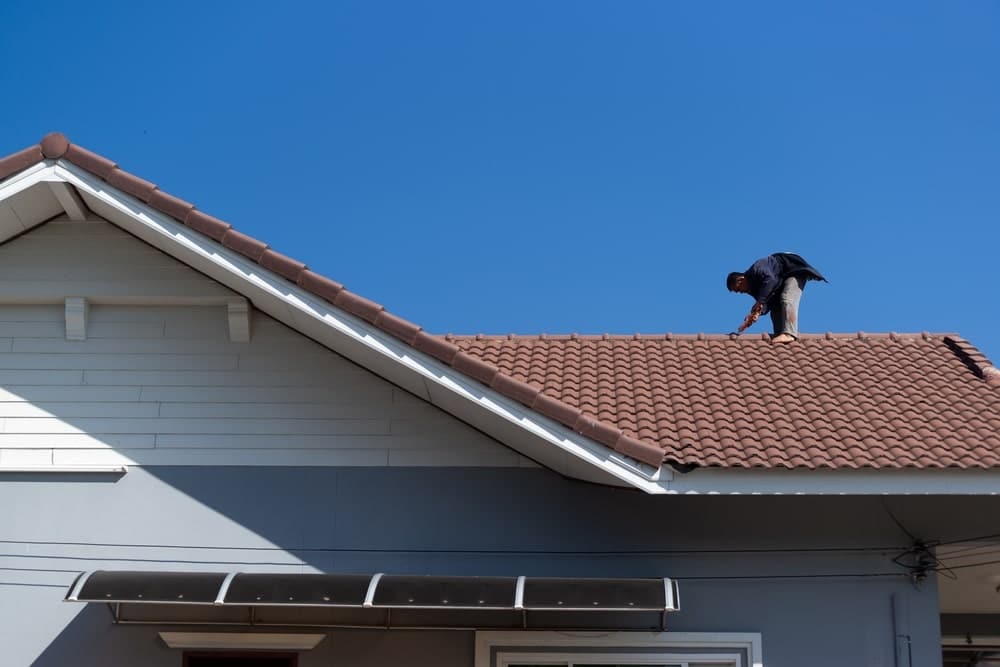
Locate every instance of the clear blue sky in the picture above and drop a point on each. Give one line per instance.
(557, 166)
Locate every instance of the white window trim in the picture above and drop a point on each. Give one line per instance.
(559, 659)
(720, 643)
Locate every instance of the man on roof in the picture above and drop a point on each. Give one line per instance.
(776, 283)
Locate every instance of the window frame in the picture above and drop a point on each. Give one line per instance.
(721, 646)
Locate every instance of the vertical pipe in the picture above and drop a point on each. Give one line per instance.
(900, 634)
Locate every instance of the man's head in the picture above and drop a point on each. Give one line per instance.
(737, 282)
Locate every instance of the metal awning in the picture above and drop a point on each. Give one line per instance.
(379, 600)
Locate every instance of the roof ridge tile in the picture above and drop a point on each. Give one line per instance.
(969, 354)
(20, 161)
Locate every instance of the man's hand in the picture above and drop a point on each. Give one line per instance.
(751, 317)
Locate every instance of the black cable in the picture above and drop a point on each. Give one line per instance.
(968, 539)
(506, 552)
(969, 554)
(151, 560)
(892, 516)
(967, 565)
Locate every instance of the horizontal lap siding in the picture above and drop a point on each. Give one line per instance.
(160, 385)
(96, 260)
(183, 399)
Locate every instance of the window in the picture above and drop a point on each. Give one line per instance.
(617, 649)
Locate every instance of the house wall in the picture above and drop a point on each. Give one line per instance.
(95, 259)
(280, 455)
(502, 521)
(165, 386)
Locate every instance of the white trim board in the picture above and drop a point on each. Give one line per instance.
(259, 641)
(718, 642)
(740, 481)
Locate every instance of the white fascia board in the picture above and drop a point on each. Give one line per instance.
(22, 180)
(742, 481)
(294, 306)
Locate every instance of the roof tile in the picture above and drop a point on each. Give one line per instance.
(438, 348)
(402, 329)
(170, 205)
(54, 145)
(243, 244)
(474, 367)
(694, 399)
(205, 224)
(137, 187)
(319, 285)
(515, 389)
(20, 161)
(92, 162)
(284, 266)
(358, 305)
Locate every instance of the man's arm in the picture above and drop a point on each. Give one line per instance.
(752, 316)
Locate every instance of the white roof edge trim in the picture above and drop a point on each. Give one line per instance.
(38, 173)
(905, 481)
(632, 473)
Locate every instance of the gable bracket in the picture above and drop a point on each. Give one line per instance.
(239, 320)
(77, 309)
(69, 200)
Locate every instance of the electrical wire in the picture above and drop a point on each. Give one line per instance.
(503, 552)
(895, 520)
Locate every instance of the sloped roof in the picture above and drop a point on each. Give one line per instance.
(841, 401)
(836, 401)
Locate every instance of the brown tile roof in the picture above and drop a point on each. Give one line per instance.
(835, 401)
(829, 401)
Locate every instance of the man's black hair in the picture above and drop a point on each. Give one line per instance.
(731, 280)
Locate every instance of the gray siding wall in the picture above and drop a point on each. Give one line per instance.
(164, 385)
(95, 260)
(467, 521)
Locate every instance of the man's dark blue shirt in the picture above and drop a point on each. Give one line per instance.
(766, 276)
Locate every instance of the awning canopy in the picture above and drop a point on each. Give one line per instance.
(379, 600)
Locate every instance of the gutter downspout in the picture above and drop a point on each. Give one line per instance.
(901, 633)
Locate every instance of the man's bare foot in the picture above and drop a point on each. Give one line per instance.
(783, 338)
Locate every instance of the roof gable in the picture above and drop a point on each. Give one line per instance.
(591, 427)
(426, 365)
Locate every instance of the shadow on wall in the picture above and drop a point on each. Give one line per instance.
(423, 521)
(91, 640)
